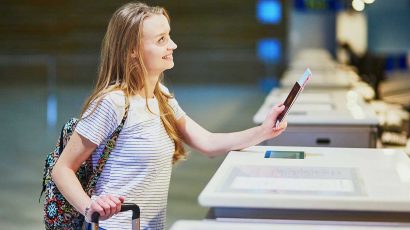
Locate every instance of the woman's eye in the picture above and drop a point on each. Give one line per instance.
(162, 39)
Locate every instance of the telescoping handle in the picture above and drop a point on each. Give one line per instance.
(124, 207)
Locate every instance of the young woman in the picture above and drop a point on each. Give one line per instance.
(136, 50)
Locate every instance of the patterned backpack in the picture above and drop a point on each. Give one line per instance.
(58, 212)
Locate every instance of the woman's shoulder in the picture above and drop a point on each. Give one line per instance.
(164, 88)
(113, 100)
(115, 97)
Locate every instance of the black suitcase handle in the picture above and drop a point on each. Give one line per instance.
(124, 207)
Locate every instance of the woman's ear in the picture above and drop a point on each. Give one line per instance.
(134, 54)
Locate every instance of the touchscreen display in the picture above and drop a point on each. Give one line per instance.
(285, 154)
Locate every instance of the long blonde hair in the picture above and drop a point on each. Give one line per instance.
(119, 71)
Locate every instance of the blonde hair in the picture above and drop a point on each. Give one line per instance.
(119, 71)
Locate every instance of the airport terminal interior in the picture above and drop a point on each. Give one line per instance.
(342, 163)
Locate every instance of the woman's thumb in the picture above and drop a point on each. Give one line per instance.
(277, 110)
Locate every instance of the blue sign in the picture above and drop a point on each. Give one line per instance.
(269, 11)
(318, 5)
(269, 50)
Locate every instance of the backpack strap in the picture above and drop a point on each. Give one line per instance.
(109, 146)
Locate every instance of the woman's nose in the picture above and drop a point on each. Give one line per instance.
(172, 45)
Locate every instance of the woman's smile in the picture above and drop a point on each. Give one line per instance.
(168, 57)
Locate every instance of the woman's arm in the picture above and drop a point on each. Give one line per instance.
(213, 144)
(78, 150)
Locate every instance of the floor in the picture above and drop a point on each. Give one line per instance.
(26, 138)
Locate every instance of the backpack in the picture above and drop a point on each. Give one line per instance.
(58, 212)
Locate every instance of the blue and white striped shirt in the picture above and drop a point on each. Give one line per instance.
(139, 167)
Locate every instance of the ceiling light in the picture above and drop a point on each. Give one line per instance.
(358, 5)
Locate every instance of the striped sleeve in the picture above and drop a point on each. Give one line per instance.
(98, 122)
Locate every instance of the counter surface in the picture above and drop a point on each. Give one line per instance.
(355, 179)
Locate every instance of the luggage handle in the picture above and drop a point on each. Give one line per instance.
(124, 207)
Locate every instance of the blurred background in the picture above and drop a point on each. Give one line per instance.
(231, 54)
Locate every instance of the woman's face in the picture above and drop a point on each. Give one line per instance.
(157, 46)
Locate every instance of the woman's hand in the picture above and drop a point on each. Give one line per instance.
(106, 206)
(269, 128)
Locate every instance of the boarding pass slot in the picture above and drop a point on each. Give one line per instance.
(323, 141)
